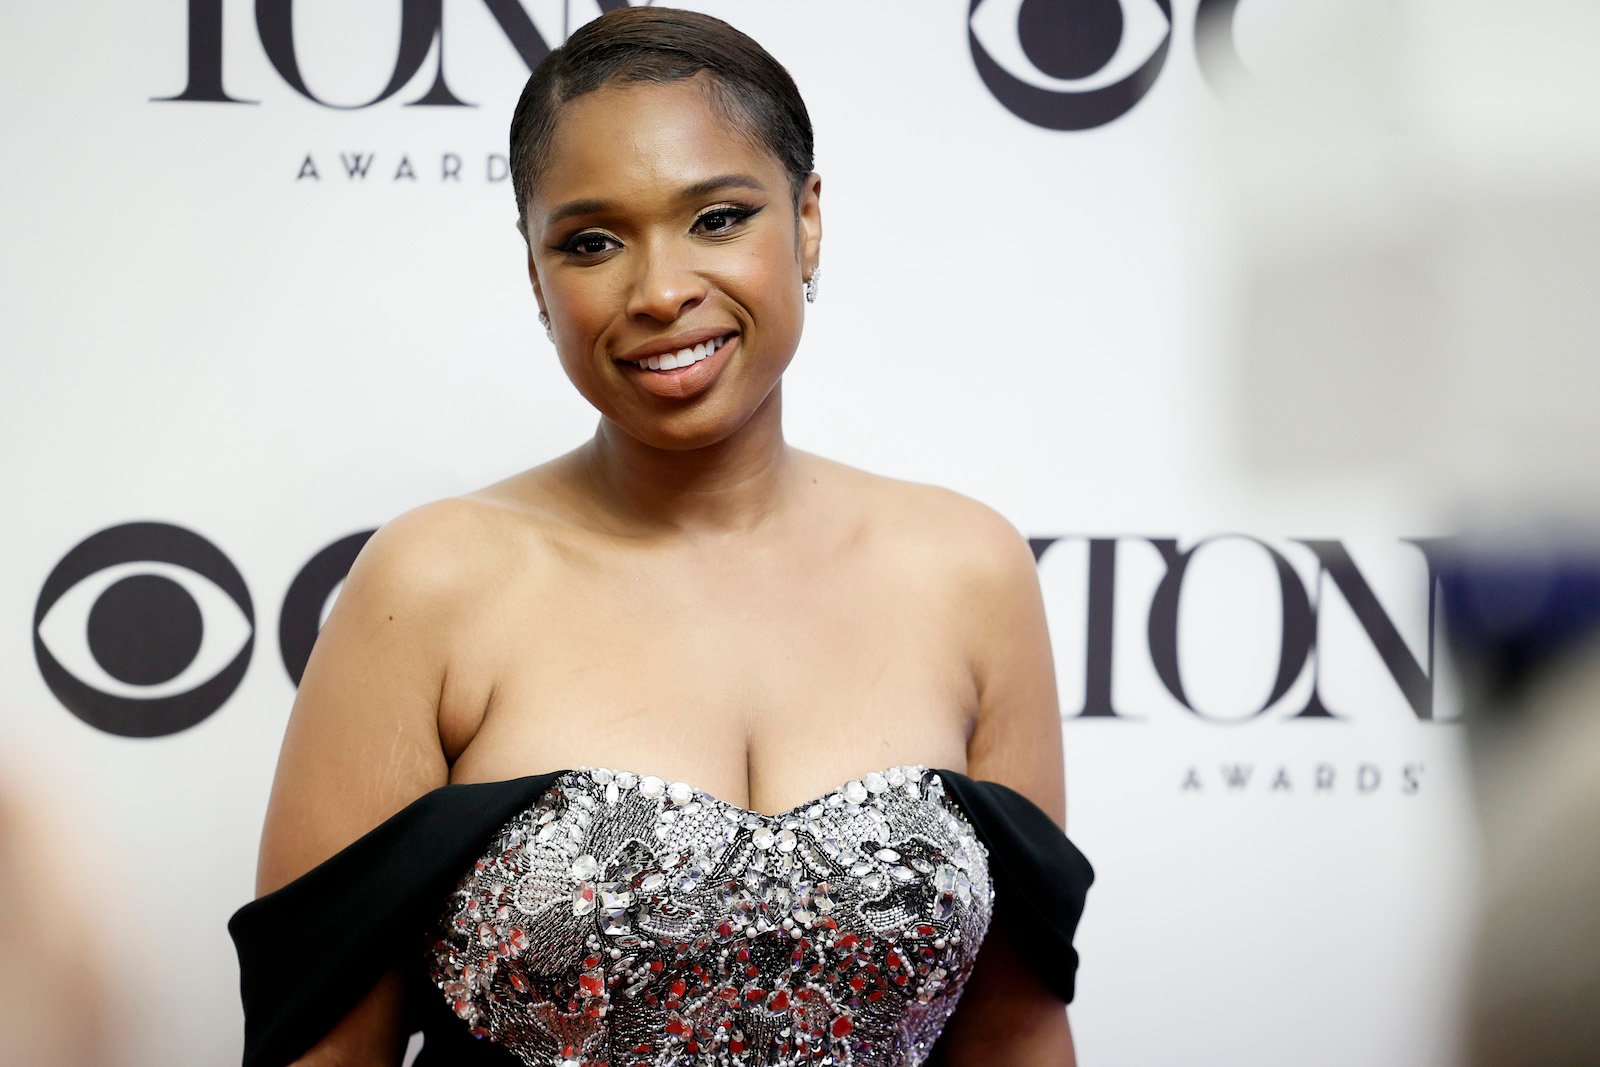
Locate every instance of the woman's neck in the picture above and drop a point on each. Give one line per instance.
(731, 487)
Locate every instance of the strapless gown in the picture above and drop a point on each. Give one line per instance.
(599, 917)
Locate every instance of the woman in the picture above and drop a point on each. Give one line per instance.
(712, 630)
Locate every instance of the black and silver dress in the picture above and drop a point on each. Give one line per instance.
(600, 917)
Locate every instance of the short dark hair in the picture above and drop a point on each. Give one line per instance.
(751, 89)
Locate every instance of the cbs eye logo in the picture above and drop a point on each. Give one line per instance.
(1079, 64)
(146, 629)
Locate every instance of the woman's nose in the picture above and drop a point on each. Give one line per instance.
(665, 287)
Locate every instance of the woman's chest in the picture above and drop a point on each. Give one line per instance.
(760, 677)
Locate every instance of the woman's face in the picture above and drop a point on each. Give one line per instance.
(658, 227)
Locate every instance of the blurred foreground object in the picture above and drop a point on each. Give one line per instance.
(1417, 218)
(1534, 990)
(54, 1006)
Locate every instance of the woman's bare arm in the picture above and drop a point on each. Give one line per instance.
(363, 734)
(1006, 1013)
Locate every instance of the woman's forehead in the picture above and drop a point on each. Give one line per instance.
(639, 141)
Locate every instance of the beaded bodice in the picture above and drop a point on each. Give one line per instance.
(626, 920)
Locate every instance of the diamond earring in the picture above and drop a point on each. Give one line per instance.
(545, 319)
(811, 284)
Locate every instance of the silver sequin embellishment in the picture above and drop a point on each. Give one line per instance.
(656, 925)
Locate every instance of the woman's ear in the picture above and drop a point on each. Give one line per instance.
(808, 218)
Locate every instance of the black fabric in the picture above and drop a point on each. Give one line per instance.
(1040, 877)
(310, 950)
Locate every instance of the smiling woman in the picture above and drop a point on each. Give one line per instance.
(686, 746)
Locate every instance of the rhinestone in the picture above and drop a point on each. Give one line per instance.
(903, 874)
(615, 899)
(651, 786)
(875, 782)
(680, 793)
(652, 882)
(762, 837)
(583, 899)
(584, 868)
(600, 775)
(613, 794)
(855, 792)
(897, 776)
(786, 840)
(627, 779)
(887, 855)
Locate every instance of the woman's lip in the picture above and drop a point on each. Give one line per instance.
(683, 382)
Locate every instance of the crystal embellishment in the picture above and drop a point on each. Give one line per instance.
(839, 932)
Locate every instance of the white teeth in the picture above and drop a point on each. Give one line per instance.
(681, 358)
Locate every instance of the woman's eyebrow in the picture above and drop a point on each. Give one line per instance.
(693, 191)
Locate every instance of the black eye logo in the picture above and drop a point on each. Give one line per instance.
(143, 630)
(1069, 64)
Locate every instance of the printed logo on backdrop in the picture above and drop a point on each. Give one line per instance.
(1079, 64)
(146, 629)
(143, 630)
(1260, 638)
(422, 37)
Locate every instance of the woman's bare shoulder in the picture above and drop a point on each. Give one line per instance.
(433, 552)
(958, 529)
(457, 542)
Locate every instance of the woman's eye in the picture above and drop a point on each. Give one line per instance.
(587, 244)
(723, 219)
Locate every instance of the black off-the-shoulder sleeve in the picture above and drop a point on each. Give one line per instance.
(1040, 877)
(310, 950)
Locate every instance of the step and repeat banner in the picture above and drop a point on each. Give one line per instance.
(263, 292)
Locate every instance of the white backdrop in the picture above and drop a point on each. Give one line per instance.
(200, 335)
